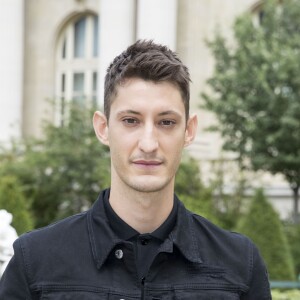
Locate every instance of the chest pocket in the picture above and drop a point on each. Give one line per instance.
(196, 291)
(84, 295)
(206, 295)
(120, 297)
(74, 295)
(195, 294)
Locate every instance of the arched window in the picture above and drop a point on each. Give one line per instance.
(258, 12)
(76, 63)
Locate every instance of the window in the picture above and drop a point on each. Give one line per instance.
(78, 88)
(76, 64)
(258, 13)
(79, 37)
(95, 88)
(96, 36)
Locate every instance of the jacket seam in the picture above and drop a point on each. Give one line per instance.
(91, 238)
(251, 259)
(25, 265)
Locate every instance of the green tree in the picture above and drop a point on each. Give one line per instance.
(229, 185)
(12, 199)
(64, 171)
(263, 226)
(191, 190)
(256, 88)
(293, 235)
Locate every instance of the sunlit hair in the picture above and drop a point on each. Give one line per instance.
(148, 61)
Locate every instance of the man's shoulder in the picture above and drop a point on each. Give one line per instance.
(215, 237)
(204, 223)
(64, 241)
(67, 228)
(230, 251)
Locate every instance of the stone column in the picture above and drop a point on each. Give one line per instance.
(117, 31)
(156, 19)
(11, 61)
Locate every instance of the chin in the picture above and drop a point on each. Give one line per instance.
(149, 186)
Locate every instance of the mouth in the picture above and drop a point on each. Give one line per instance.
(147, 163)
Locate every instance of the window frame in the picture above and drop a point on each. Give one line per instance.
(66, 65)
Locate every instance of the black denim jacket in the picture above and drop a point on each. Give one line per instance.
(80, 258)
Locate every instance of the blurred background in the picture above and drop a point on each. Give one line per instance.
(242, 172)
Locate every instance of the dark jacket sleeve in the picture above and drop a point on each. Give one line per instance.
(259, 287)
(13, 283)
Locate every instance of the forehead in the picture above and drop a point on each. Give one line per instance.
(145, 94)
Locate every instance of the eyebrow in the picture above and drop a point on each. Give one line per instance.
(169, 112)
(128, 111)
(133, 112)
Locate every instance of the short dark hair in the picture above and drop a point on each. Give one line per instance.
(148, 61)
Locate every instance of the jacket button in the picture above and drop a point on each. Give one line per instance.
(119, 254)
(145, 242)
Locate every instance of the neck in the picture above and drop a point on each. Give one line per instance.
(143, 211)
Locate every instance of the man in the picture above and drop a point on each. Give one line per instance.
(138, 241)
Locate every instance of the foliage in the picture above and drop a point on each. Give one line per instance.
(228, 201)
(63, 172)
(293, 235)
(256, 87)
(262, 225)
(192, 192)
(188, 179)
(285, 295)
(12, 199)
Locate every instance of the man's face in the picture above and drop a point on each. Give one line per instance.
(146, 133)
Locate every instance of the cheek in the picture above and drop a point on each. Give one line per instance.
(121, 145)
(174, 143)
(120, 138)
(172, 149)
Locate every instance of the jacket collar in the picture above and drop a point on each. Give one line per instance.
(183, 236)
(103, 240)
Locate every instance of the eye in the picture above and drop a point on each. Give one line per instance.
(130, 121)
(167, 123)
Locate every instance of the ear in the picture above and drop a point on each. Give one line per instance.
(101, 127)
(191, 130)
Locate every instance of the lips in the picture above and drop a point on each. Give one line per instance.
(147, 163)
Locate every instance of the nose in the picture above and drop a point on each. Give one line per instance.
(148, 141)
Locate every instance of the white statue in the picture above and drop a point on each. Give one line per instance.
(7, 236)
